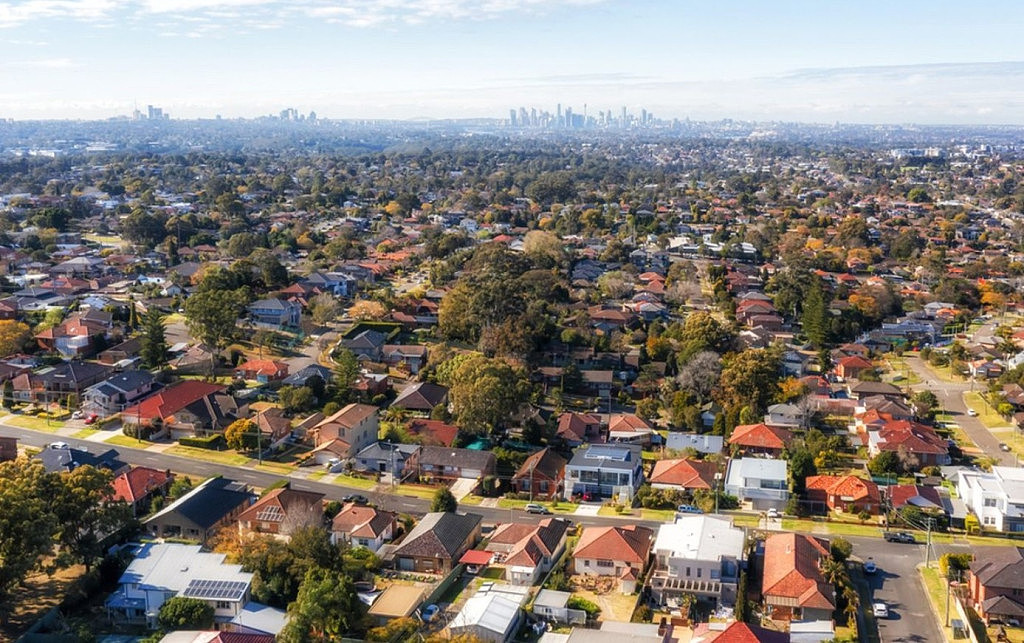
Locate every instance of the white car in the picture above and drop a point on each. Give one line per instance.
(773, 513)
(58, 445)
(869, 566)
(880, 610)
(972, 413)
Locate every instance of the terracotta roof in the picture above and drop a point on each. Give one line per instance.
(846, 486)
(433, 431)
(791, 570)
(628, 422)
(477, 557)
(537, 542)
(738, 632)
(264, 367)
(760, 436)
(278, 503)
(573, 426)
(350, 416)
(900, 495)
(362, 521)
(544, 462)
(172, 399)
(137, 483)
(689, 474)
(630, 543)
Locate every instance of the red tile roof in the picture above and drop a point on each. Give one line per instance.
(137, 483)
(433, 431)
(845, 486)
(171, 400)
(630, 543)
(791, 570)
(689, 474)
(760, 436)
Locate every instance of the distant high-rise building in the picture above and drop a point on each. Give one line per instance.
(512, 117)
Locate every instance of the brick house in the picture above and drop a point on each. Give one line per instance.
(541, 475)
(995, 582)
(848, 494)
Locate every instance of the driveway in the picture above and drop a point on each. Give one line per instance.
(951, 397)
(898, 583)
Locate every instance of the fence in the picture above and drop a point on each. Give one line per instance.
(445, 583)
(961, 612)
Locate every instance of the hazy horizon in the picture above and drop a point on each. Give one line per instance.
(873, 63)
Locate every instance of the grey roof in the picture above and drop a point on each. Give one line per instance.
(422, 396)
(383, 451)
(438, 534)
(998, 566)
(303, 375)
(607, 456)
(208, 503)
(56, 460)
(452, 457)
(125, 381)
(551, 598)
(72, 371)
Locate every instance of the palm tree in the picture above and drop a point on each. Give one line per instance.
(833, 571)
(852, 598)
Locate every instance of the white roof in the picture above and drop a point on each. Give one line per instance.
(700, 538)
(172, 566)
(492, 612)
(757, 469)
(256, 617)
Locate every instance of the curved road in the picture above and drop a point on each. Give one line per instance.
(951, 397)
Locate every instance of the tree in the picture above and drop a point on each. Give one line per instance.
(801, 465)
(885, 463)
(154, 342)
(485, 392)
(211, 315)
(815, 316)
(326, 609)
(346, 371)
(444, 501)
(27, 526)
(295, 398)
(83, 503)
(325, 308)
(13, 336)
(8, 394)
(367, 309)
(242, 435)
(700, 374)
(182, 613)
(399, 629)
(750, 378)
(840, 549)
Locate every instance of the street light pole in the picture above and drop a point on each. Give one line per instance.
(718, 481)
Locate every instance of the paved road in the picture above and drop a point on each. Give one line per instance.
(898, 583)
(951, 397)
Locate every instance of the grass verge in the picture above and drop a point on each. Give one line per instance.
(357, 483)
(84, 433)
(986, 413)
(220, 457)
(34, 423)
(122, 440)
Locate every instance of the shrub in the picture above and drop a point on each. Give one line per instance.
(212, 442)
(578, 603)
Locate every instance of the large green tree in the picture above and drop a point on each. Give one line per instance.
(83, 504)
(182, 613)
(326, 609)
(750, 378)
(27, 526)
(444, 500)
(211, 315)
(485, 392)
(154, 341)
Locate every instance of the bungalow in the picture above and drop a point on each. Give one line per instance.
(306, 375)
(281, 511)
(449, 463)
(411, 357)
(913, 439)
(576, 428)
(760, 439)
(699, 442)
(684, 475)
(363, 526)
(113, 394)
(792, 584)
(200, 513)
(188, 407)
(421, 397)
(629, 428)
(852, 367)
(437, 542)
(528, 551)
(848, 494)
(541, 474)
(432, 432)
(619, 551)
(387, 458)
(277, 313)
(367, 345)
(139, 485)
(263, 371)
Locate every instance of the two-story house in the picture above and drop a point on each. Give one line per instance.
(541, 474)
(847, 493)
(793, 584)
(526, 551)
(277, 313)
(115, 393)
(995, 583)
(385, 457)
(59, 382)
(354, 427)
(996, 497)
(698, 555)
(761, 482)
(605, 471)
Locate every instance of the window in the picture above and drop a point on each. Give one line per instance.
(605, 563)
(687, 572)
(223, 605)
(699, 570)
(586, 563)
(990, 502)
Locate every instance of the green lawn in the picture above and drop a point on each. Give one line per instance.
(221, 457)
(471, 500)
(316, 475)
(986, 413)
(660, 515)
(34, 423)
(84, 433)
(936, 588)
(416, 491)
(352, 481)
(275, 467)
(122, 440)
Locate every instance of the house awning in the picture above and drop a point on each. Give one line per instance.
(476, 557)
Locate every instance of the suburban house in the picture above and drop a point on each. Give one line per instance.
(58, 383)
(281, 511)
(698, 555)
(843, 494)
(576, 428)
(527, 551)
(139, 485)
(437, 542)
(363, 526)
(912, 438)
(273, 426)
(861, 390)
(412, 357)
(277, 313)
(385, 457)
(760, 439)
(629, 428)
(200, 513)
(683, 475)
(113, 394)
(762, 482)
(432, 432)
(421, 397)
(352, 428)
(619, 551)
(740, 632)
(996, 497)
(605, 470)
(700, 442)
(449, 463)
(995, 583)
(263, 371)
(67, 459)
(540, 475)
(75, 337)
(366, 346)
(187, 407)
(163, 570)
(306, 375)
(793, 585)
(785, 415)
(852, 367)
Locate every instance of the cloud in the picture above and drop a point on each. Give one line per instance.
(46, 63)
(16, 13)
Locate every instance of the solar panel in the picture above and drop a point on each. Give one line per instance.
(270, 514)
(218, 590)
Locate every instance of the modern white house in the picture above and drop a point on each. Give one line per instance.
(996, 498)
(605, 470)
(700, 442)
(761, 482)
(163, 570)
(698, 555)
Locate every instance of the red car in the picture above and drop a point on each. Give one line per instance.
(91, 419)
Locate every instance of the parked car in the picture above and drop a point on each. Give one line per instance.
(972, 413)
(58, 445)
(688, 509)
(880, 610)
(869, 566)
(77, 415)
(357, 498)
(534, 508)
(773, 513)
(92, 419)
(1004, 446)
(900, 537)
(428, 613)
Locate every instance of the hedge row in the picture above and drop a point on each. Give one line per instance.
(209, 442)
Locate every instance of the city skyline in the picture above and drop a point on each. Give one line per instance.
(929, 63)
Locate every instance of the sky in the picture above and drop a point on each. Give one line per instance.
(823, 61)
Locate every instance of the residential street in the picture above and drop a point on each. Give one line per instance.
(951, 397)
